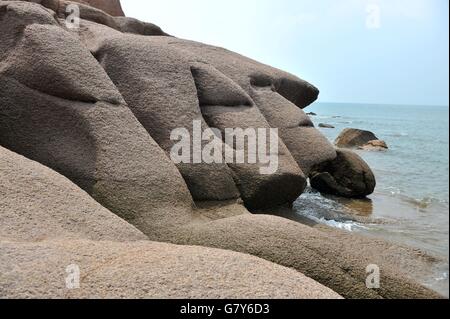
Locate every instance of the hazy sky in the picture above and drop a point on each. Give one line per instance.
(372, 51)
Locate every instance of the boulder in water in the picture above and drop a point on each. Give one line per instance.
(356, 138)
(348, 175)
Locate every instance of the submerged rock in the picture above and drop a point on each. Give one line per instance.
(347, 175)
(351, 137)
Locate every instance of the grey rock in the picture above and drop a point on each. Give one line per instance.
(161, 81)
(47, 224)
(112, 7)
(146, 270)
(72, 118)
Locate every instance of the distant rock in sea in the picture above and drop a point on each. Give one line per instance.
(311, 114)
(376, 145)
(86, 117)
(324, 125)
(356, 138)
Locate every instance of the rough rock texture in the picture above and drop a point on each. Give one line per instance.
(278, 95)
(47, 224)
(326, 257)
(146, 270)
(58, 107)
(324, 125)
(347, 175)
(37, 204)
(111, 7)
(109, 132)
(354, 138)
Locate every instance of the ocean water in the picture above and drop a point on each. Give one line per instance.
(411, 202)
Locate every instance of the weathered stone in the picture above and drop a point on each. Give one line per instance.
(347, 175)
(353, 138)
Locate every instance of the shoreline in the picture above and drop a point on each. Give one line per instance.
(367, 218)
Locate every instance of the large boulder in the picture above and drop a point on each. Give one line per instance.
(356, 138)
(59, 107)
(72, 118)
(325, 125)
(168, 88)
(348, 175)
(375, 145)
(279, 96)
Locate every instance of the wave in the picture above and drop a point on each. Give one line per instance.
(349, 226)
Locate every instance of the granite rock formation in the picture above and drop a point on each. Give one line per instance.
(48, 224)
(347, 175)
(375, 145)
(98, 104)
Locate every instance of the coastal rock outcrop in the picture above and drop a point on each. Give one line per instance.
(38, 204)
(324, 125)
(348, 175)
(355, 138)
(59, 107)
(112, 7)
(146, 270)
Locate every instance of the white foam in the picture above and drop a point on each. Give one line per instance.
(347, 226)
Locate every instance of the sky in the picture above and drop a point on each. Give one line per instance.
(354, 51)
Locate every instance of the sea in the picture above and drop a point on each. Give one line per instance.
(411, 203)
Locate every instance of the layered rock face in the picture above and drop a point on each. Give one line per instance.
(98, 104)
